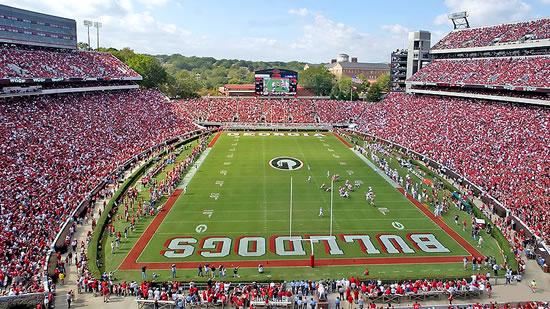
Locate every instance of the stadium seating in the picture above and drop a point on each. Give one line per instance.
(54, 150)
(502, 148)
(21, 62)
(504, 33)
(272, 111)
(520, 71)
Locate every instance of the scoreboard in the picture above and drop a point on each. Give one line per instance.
(276, 82)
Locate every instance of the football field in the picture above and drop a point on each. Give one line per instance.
(257, 199)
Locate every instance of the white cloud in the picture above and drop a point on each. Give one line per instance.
(395, 29)
(487, 12)
(127, 23)
(299, 12)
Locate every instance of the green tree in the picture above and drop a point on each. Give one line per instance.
(150, 68)
(82, 46)
(123, 54)
(364, 87)
(182, 85)
(384, 82)
(374, 93)
(317, 79)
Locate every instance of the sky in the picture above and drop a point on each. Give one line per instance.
(309, 31)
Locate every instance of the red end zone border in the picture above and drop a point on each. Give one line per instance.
(454, 235)
(342, 140)
(214, 140)
(130, 262)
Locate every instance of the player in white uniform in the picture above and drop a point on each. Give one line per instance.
(321, 212)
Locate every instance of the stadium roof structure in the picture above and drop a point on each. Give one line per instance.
(505, 36)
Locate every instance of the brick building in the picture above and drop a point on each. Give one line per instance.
(342, 66)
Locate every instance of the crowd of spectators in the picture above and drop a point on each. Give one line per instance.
(29, 62)
(517, 71)
(250, 110)
(498, 146)
(53, 151)
(503, 33)
(485, 91)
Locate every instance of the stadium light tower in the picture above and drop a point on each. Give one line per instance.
(97, 25)
(88, 24)
(460, 19)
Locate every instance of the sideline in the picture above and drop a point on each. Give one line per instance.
(189, 176)
(376, 169)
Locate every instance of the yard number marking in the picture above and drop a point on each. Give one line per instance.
(384, 211)
(208, 212)
(223, 172)
(219, 183)
(215, 196)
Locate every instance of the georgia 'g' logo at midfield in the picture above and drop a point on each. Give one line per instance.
(286, 163)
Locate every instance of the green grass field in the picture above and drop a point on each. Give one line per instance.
(236, 193)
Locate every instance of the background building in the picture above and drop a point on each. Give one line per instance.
(406, 62)
(343, 66)
(418, 52)
(398, 70)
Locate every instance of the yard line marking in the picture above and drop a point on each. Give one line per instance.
(189, 176)
(219, 183)
(336, 156)
(226, 163)
(300, 231)
(350, 172)
(230, 155)
(234, 144)
(343, 163)
(232, 149)
(179, 220)
(330, 150)
(326, 145)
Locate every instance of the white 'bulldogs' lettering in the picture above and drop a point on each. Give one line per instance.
(296, 247)
(244, 244)
(330, 243)
(364, 241)
(180, 247)
(428, 243)
(213, 243)
(387, 242)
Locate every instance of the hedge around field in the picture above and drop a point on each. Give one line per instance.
(99, 232)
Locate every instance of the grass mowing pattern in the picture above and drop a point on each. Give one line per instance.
(254, 200)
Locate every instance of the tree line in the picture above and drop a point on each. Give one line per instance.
(179, 76)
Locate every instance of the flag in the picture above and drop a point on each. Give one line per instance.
(356, 79)
(353, 88)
